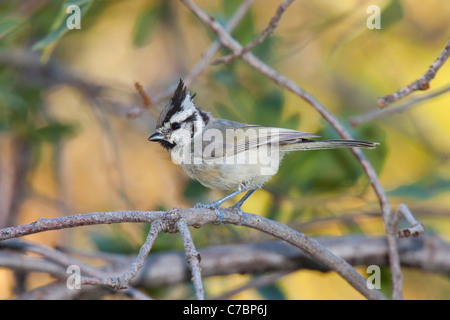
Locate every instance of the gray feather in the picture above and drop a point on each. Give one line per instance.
(328, 144)
(249, 137)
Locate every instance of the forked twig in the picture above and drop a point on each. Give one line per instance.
(261, 37)
(123, 281)
(193, 258)
(415, 229)
(155, 229)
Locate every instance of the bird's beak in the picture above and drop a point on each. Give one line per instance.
(156, 137)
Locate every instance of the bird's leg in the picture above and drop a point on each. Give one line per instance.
(215, 205)
(237, 206)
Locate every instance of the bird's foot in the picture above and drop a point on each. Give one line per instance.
(243, 215)
(211, 206)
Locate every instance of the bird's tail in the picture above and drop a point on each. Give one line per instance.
(306, 144)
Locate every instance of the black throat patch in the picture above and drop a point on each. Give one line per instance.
(167, 145)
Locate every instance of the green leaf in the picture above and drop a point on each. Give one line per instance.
(195, 190)
(226, 112)
(60, 24)
(225, 77)
(386, 286)
(51, 38)
(423, 189)
(9, 22)
(264, 50)
(271, 292)
(53, 131)
(292, 122)
(230, 7)
(245, 30)
(145, 24)
(391, 14)
(112, 242)
(268, 110)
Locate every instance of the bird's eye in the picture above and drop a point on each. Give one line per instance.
(175, 126)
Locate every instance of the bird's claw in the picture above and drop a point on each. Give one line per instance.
(241, 213)
(211, 206)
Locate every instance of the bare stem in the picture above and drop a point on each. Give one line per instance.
(155, 230)
(423, 83)
(261, 37)
(377, 113)
(415, 229)
(192, 258)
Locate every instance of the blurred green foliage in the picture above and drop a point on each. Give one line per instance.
(59, 27)
(422, 189)
(391, 14)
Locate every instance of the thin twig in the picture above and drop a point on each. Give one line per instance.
(123, 281)
(147, 102)
(192, 258)
(261, 37)
(155, 230)
(281, 80)
(377, 113)
(423, 83)
(415, 229)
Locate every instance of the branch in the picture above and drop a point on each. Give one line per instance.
(123, 281)
(415, 229)
(192, 258)
(281, 80)
(377, 113)
(262, 36)
(64, 260)
(423, 83)
(271, 258)
(197, 218)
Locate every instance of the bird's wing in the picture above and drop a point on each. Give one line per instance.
(225, 142)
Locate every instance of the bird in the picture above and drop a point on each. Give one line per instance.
(229, 155)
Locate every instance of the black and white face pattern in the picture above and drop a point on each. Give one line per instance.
(180, 119)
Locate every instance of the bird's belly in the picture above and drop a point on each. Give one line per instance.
(229, 176)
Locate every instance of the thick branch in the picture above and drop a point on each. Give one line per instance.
(197, 218)
(79, 220)
(426, 253)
